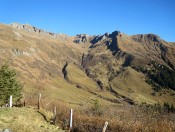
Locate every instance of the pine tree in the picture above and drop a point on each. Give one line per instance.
(9, 85)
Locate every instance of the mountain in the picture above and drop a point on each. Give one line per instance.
(115, 68)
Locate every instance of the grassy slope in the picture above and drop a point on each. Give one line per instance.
(60, 90)
(25, 119)
(78, 76)
(131, 84)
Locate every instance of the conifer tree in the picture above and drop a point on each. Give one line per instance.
(9, 85)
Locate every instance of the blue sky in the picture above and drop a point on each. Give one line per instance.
(94, 16)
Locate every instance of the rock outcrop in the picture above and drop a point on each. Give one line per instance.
(82, 38)
(33, 29)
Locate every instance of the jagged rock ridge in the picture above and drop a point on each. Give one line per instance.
(31, 29)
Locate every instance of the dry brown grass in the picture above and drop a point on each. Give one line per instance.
(120, 119)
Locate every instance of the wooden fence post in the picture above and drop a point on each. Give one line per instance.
(54, 115)
(10, 105)
(105, 126)
(39, 101)
(24, 103)
(71, 114)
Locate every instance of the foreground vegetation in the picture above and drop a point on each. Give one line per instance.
(120, 118)
(26, 120)
(86, 117)
(89, 118)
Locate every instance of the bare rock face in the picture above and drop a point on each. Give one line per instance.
(32, 29)
(26, 27)
(16, 25)
(84, 38)
(81, 38)
(104, 37)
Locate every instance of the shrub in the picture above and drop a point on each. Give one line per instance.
(96, 108)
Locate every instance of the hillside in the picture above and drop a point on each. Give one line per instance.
(115, 68)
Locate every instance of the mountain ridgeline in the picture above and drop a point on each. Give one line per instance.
(114, 67)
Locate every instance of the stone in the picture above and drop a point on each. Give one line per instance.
(100, 83)
(6, 130)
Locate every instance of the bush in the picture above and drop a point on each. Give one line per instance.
(136, 119)
(96, 108)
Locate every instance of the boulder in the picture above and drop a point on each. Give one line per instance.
(6, 130)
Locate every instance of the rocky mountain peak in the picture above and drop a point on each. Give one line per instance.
(32, 29)
(84, 38)
(114, 34)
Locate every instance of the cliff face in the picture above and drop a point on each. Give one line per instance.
(113, 67)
